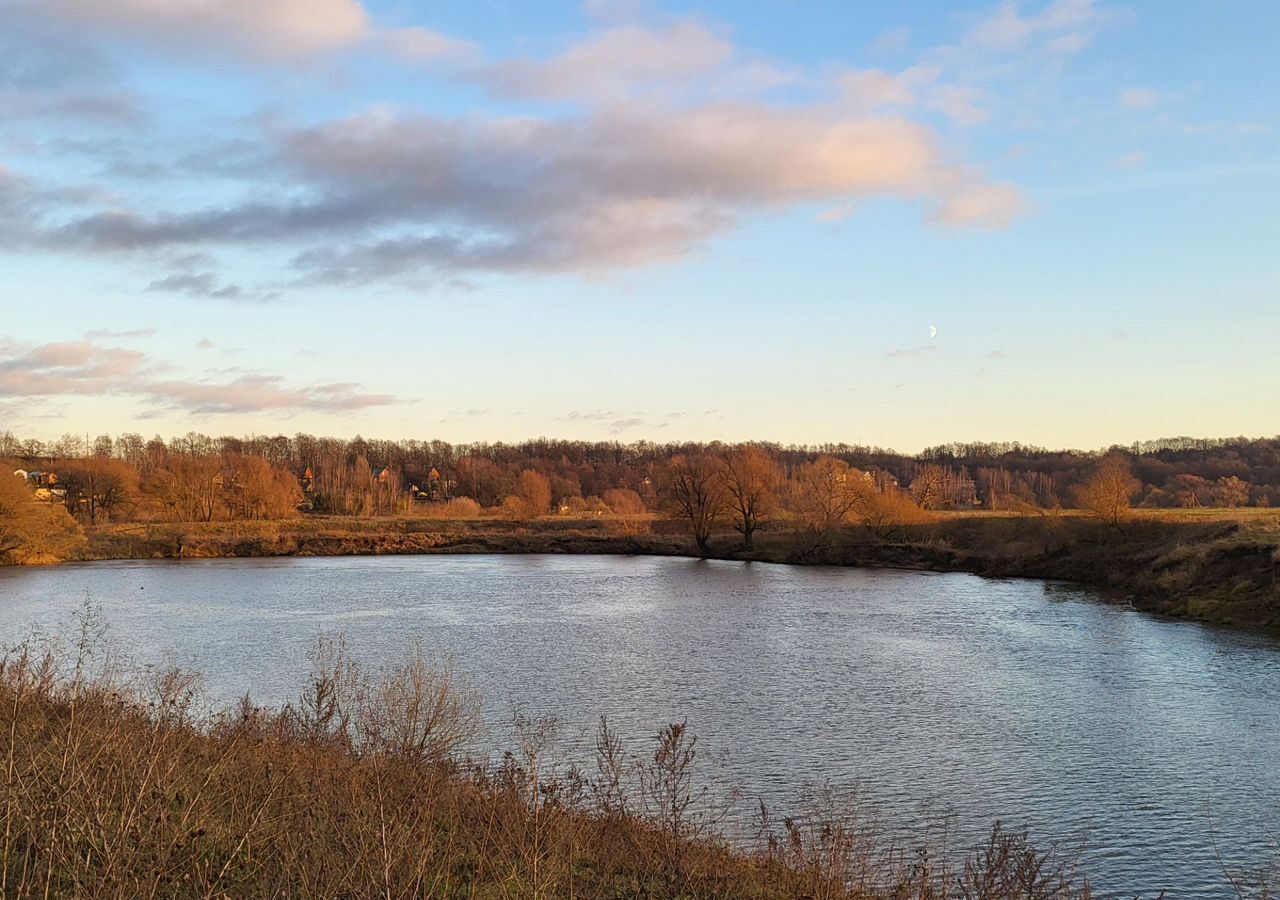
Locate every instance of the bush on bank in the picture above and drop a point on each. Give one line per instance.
(117, 785)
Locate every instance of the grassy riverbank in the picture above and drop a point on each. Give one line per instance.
(117, 788)
(1221, 566)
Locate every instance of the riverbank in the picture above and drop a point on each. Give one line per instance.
(1216, 568)
(120, 788)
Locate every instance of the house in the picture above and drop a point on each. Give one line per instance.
(39, 479)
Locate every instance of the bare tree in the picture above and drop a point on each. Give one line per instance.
(927, 486)
(1110, 489)
(97, 486)
(750, 478)
(1232, 491)
(694, 489)
(825, 494)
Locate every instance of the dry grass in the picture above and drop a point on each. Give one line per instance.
(116, 786)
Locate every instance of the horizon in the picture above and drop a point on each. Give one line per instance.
(1050, 220)
(1140, 446)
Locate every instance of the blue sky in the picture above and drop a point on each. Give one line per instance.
(641, 220)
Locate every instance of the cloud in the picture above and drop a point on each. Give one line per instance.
(48, 76)
(992, 206)
(894, 40)
(415, 45)
(465, 415)
(85, 368)
(111, 107)
(66, 367)
(1226, 129)
(913, 351)
(273, 31)
(1134, 159)
(613, 11)
(669, 140)
(836, 214)
(875, 88)
(261, 393)
(620, 425)
(627, 62)
(1138, 98)
(207, 285)
(919, 87)
(616, 189)
(278, 30)
(130, 334)
(1061, 27)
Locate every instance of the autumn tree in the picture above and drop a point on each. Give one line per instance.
(624, 502)
(825, 494)
(1232, 491)
(98, 487)
(1190, 491)
(480, 478)
(927, 486)
(888, 509)
(1110, 489)
(750, 479)
(255, 489)
(188, 487)
(388, 490)
(693, 488)
(534, 492)
(32, 530)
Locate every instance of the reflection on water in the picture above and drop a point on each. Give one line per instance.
(1000, 699)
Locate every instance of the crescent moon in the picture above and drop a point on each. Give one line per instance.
(933, 331)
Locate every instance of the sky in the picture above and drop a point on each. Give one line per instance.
(641, 220)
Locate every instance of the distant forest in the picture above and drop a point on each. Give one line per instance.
(198, 477)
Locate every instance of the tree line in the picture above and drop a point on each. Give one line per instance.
(196, 477)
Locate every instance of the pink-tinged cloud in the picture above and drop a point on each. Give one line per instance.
(992, 206)
(614, 63)
(918, 87)
(260, 393)
(263, 30)
(658, 154)
(621, 187)
(73, 367)
(1064, 26)
(83, 368)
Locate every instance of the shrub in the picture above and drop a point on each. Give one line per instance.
(623, 502)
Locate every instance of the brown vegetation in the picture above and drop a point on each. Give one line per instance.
(750, 481)
(32, 531)
(825, 493)
(196, 478)
(1109, 490)
(695, 491)
(198, 497)
(119, 788)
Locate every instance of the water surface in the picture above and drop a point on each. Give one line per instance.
(1018, 700)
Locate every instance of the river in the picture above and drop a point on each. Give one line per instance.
(1034, 703)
